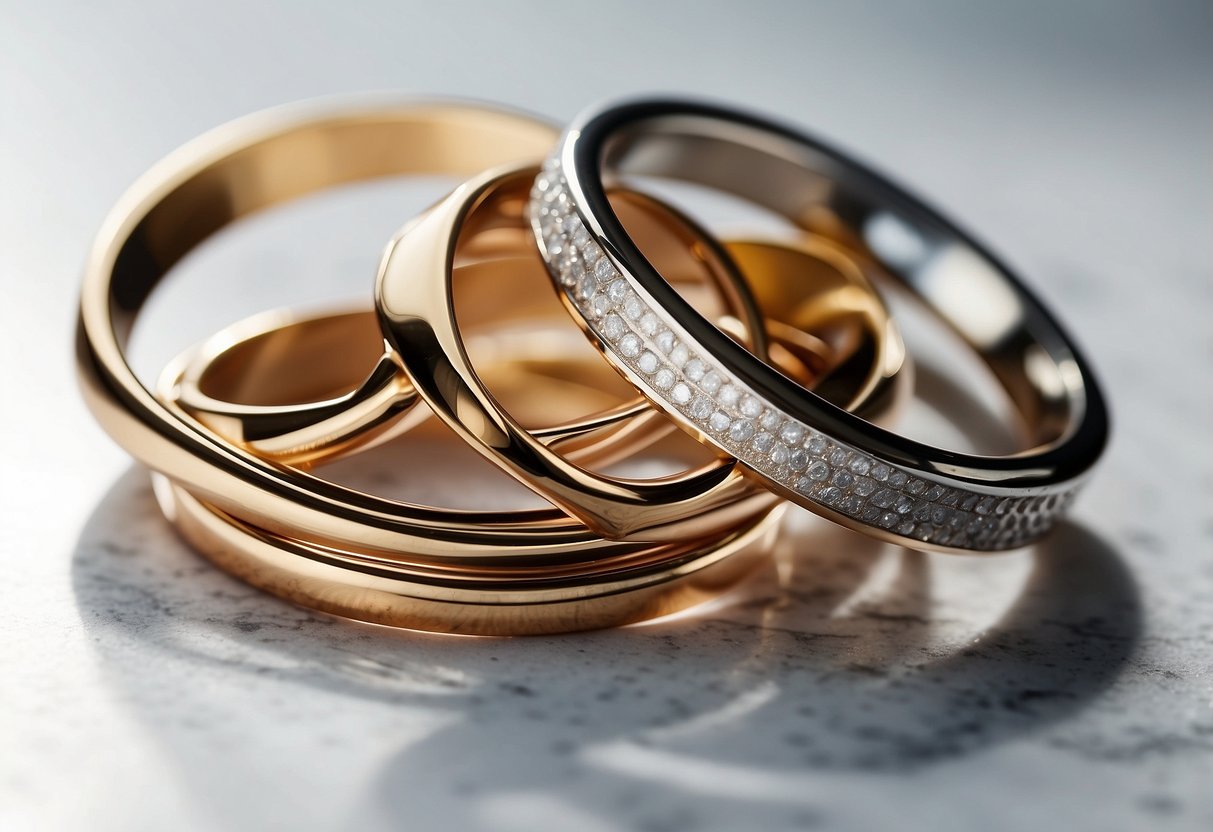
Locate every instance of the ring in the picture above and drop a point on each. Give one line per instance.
(415, 298)
(804, 448)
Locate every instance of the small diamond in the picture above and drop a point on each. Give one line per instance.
(916, 487)
(817, 444)
(711, 382)
(860, 465)
(600, 305)
(728, 395)
(633, 307)
(664, 379)
(618, 290)
(586, 288)
(842, 479)
(665, 341)
(613, 327)
(580, 238)
(935, 492)
(694, 370)
(741, 430)
(940, 515)
(751, 407)
(883, 498)
(792, 433)
(799, 459)
(771, 421)
(838, 457)
(905, 527)
(968, 502)
(647, 362)
(889, 519)
(605, 271)
(679, 355)
(681, 394)
(763, 442)
(804, 485)
(831, 495)
(781, 453)
(719, 422)
(985, 505)
(701, 407)
(629, 345)
(819, 472)
(851, 505)
(897, 479)
(880, 471)
(590, 254)
(649, 323)
(864, 486)
(904, 504)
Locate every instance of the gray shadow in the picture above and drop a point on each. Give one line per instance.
(717, 717)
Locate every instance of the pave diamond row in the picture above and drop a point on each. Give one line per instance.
(674, 370)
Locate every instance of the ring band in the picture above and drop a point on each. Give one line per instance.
(414, 295)
(814, 453)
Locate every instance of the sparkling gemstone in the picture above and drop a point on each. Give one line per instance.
(880, 472)
(679, 355)
(780, 453)
(605, 271)
(851, 505)
(864, 486)
(884, 498)
(750, 407)
(633, 307)
(871, 514)
(940, 515)
(819, 472)
(798, 459)
(613, 327)
(838, 457)
(586, 288)
(804, 485)
(916, 487)
(968, 502)
(889, 519)
(580, 238)
(770, 421)
(728, 395)
(617, 290)
(817, 445)
(842, 479)
(665, 341)
(600, 305)
(985, 505)
(903, 504)
(591, 255)
(694, 369)
(681, 393)
(935, 492)
(792, 433)
(629, 345)
(763, 442)
(905, 527)
(711, 382)
(831, 495)
(719, 421)
(701, 407)
(649, 323)
(898, 479)
(741, 430)
(664, 379)
(647, 362)
(860, 465)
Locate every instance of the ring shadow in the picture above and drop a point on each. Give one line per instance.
(805, 670)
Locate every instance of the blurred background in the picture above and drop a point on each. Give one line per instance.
(1068, 687)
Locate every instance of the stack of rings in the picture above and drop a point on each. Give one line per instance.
(771, 371)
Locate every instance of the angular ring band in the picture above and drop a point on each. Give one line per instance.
(823, 458)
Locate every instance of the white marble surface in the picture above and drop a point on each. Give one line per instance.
(1066, 688)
